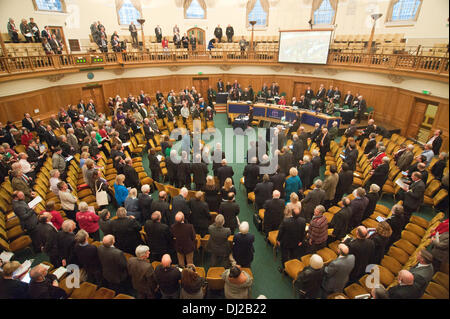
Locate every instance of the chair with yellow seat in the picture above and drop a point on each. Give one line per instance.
(103, 293)
(437, 291)
(327, 255)
(86, 291)
(272, 239)
(419, 221)
(354, 290)
(441, 279)
(411, 237)
(123, 296)
(419, 231)
(214, 278)
(386, 276)
(399, 254)
(392, 264)
(292, 268)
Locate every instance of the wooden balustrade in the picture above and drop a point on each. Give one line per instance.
(28, 64)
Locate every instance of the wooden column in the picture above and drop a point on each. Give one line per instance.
(4, 50)
(369, 45)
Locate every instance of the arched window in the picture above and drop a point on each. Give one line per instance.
(324, 11)
(49, 5)
(404, 10)
(258, 10)
(195, 9)
(128, 11)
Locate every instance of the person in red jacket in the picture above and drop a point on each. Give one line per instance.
(282, 101)
(378, 159)
(165, 44)
(88, 221)
(57, 219)
(318, 230)
(26, 137)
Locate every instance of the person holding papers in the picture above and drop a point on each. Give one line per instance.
(413, 195)
(11, 287)
(380, 237)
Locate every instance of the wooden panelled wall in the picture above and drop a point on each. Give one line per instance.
(392, 105)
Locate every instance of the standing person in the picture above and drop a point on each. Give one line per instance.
(309, 280)
(142, 273)
(26, 31)
(193, 42)
(88, 221)
(133, 31)
(192, 285)
(126, 231)
(337, 273)
(243, 249)
(218, 33)
(35, 30)
(318, 230)
(113, 264)
(290, 236)
(167, 277)
(12, 31)
(211, 191)
(218, 245)
(263, 191)
(184, 240)
(413, 195)
(185, 41)
(229, 32)
(200, 216)
(237, 283)
(329, 186)
(230, 210)
(158, 33)
(159, 237)
(27, 217)
(293, 183)
(273, 213)
(362, 248)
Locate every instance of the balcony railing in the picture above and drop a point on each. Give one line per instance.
(392, 62)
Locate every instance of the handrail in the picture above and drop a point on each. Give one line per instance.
(391, 62)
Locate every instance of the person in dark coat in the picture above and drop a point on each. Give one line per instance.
(311, 200)
(397, 222)
(224, 172)
(436, 141)
(409, 286)
(373, 196)
(131, 176)
(413, 195)
(263, 191)
(351, 155)
(251, 175)
(380, 239)
(278, 180)
(44, 285)
(211, 191)
(363, 249)
(47, 235)
(184, 172)
(86, 256)
(309, 280)
(273, 212)
(65, 243)
(12, 288)
(199, 172)
(172, 169)
(126, 231)
(184, 240)
(218, 245)
(358, 205)
(305, 171)
(438, 168)
(27, 217)
(297, 148)
(159, 237)
(341, 220)
(324, 144)
(114, 264)
(145, 201)
(230, 209)
(345, 183)
(200, 216)
(316, 163)
(162, 206)
(217, 155)
(243, 249)
(380, 174)
(154, 165)
(290, 236)
(142, 273)
(180, 204)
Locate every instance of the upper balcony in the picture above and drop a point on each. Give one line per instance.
(27, 66)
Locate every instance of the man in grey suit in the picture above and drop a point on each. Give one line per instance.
(58, 161)
(312, 199)
(423, 268)
(336, 274)
(72, 140)
(406, 158)
(114, 264)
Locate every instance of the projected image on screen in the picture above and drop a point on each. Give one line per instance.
(304, 47)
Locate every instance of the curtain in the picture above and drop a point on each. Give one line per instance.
(315, 5)
(334, 5)
(119, 4)
(186, 5)
(390, 10)
(264, 4)
(202, 4)
(137, 5)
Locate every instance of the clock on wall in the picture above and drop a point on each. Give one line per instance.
(90, 75)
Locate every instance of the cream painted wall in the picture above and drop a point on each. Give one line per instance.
(353, 17)
(416, 85)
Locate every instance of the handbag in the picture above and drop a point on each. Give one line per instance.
(101, 196)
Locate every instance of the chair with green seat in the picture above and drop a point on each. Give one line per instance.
(337, 114)
(345, 107)
(369, 112)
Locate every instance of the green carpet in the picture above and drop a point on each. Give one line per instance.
(268, 281)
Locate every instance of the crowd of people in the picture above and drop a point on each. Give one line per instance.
(291, 197)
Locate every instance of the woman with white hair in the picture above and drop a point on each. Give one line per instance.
(54, 180)
(218, 245)
(243, 249)
(293, 184)
(131, 204)
(293, 203)
(309, 280)
(88, 221)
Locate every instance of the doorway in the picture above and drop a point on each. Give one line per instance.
(96, 94)
(59, 36)
(427, 123)
(299, 89)
(200, 35)
(201, 85)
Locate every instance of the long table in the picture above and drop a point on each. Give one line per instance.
(274, 113)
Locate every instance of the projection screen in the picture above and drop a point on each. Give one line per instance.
(304, 46)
